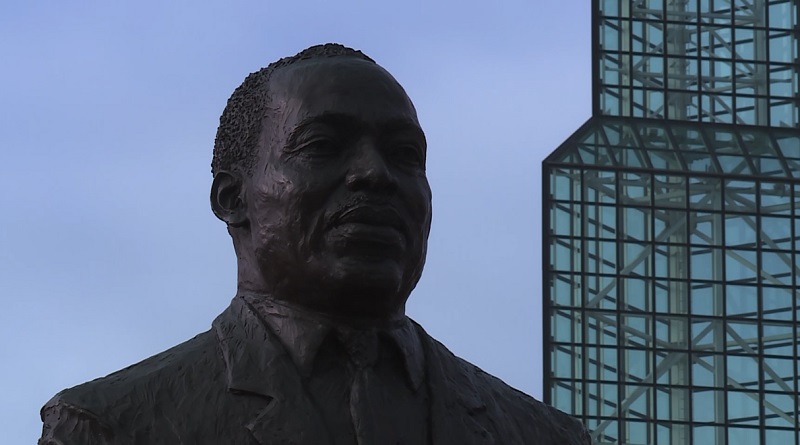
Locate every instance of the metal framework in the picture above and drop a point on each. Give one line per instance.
(672, 229)
(725, 61)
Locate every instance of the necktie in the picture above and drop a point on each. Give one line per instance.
(366, 406)
(379, 403)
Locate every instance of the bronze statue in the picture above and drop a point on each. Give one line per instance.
(319, 174)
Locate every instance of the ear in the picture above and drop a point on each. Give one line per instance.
(227, 198)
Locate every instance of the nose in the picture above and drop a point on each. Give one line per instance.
(369, 170)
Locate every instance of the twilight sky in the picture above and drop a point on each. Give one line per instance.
(109, 252)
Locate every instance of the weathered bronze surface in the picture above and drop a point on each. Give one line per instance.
(319, 174)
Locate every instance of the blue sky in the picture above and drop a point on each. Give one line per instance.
(109, 252)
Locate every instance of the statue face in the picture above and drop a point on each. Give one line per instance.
(339, 204)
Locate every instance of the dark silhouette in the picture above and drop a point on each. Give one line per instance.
(319, 174)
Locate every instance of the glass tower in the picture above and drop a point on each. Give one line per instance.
(672, 229)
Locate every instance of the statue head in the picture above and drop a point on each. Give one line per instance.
(319, 174)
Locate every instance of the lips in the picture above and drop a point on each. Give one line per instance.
(375, 230)
(369, 215)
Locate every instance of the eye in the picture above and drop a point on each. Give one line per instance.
(407, 154)
(319, 148)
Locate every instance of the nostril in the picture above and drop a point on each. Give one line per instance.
(378, 177)
(369, 170)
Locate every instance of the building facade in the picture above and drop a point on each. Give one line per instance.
(672, 229)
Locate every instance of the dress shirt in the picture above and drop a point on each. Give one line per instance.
(328, 357)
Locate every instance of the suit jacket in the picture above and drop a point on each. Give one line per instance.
(236, 384)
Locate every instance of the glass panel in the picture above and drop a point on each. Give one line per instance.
(742, 337)
(636, 223)
(776, 232)
(776, 198)
(734, 164)
(707, 336)
(565, 325)
(741, 301)
(780, 410)
(610, 7)
(778, 339)
(704, 366)
(706, 299)
(707, 228)
(778, 374)
(601, 292)
(782, 114)
(669, 191)
(740, 231)
(604, 329)
(601, 221)
(636, 188)
(670, 261)
(637, 331)
(564, 397)
(610, 34)
(596, 155)
(637, 259)
(704, 193)
(781, 80)
(743, 436)
(780, 15)
(724, 142)
(709, 435)
(664, 160)
(740, 266)
(706, 263)
(566, 255)
(565, 184)
(636, 294)
(631, 157)
(776, 268)
(708, 406)
(743, 408)
(601, 257)
(699, 162)
(565, 219)
(777, 303)
(782, 47)
(740, 196)
(789, 146)
(637, 364)
(565, 290)
(743, 369)
(600, 186)
(786, 436)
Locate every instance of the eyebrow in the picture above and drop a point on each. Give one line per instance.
(351, 122)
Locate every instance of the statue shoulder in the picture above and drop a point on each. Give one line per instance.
(93, 411)
(532, 417)
(514, 414)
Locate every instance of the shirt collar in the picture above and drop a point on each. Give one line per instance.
(302, 334)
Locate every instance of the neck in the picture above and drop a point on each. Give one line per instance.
(357, 321)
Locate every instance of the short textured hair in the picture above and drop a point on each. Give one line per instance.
(242, 120)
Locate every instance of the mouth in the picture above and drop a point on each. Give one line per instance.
(370, 228)
(370, 217)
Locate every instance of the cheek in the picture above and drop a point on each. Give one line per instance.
(421, 202)
(288, 214)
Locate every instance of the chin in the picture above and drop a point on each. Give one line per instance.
(368, 285)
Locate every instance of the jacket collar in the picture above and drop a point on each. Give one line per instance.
(258, 364)
(302, 333)
(457, 409)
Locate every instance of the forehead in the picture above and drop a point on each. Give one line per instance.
(339, 85)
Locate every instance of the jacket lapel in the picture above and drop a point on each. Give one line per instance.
(457, 409)
(257, 364)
